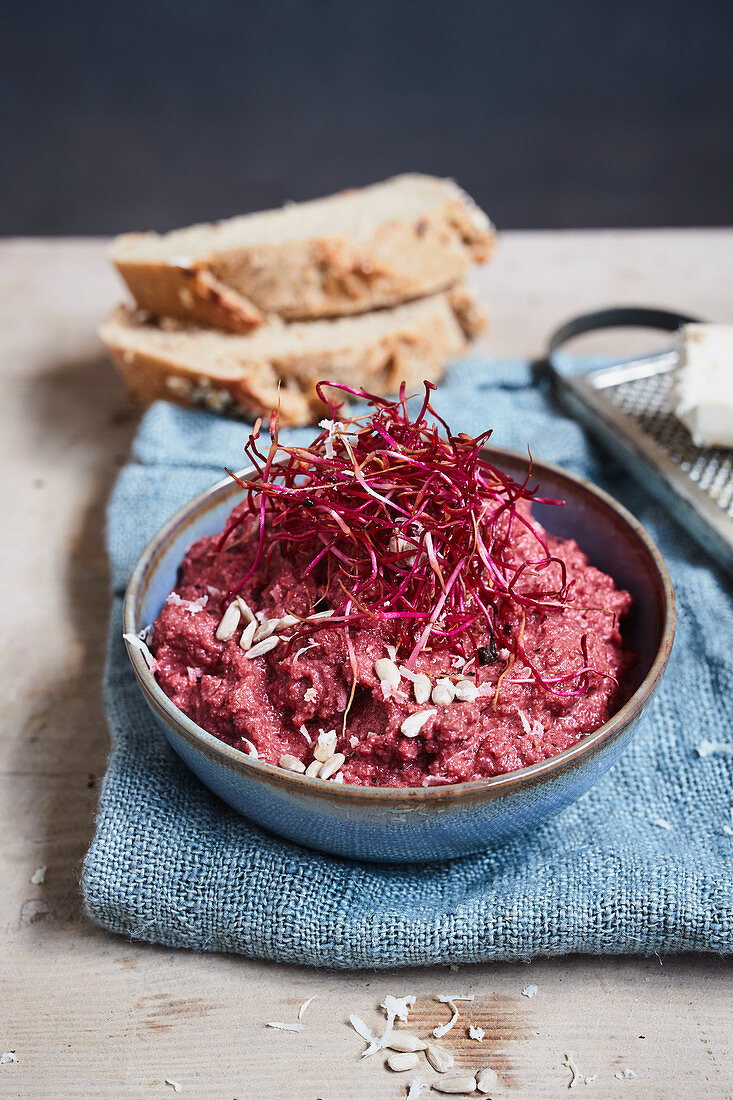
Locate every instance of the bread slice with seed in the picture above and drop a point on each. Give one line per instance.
(352, 252)
(282, 361)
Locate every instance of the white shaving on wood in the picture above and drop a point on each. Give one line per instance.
(400, 1005)
(625, 1074)
(476, 1033)
(529, 990)
(7, 1057)
(361, 1028)
(173, 1084)
(576, 1074)
(39, 876)
(415, 1087)
(449, 1000)
(395, 1008)
(284, 1027)
(304, 1007)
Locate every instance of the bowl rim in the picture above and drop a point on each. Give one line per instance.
(489, 787)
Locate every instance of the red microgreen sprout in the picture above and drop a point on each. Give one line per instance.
(409, 527)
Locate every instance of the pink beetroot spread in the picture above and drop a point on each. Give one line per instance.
(535, 663)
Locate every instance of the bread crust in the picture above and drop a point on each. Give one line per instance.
(392, 262)
(154, 367)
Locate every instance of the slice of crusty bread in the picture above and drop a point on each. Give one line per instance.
(281, 362)
(359, 250)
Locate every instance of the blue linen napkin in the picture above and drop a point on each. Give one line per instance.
(642, 863)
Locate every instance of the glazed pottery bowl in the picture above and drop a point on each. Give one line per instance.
(425, 823)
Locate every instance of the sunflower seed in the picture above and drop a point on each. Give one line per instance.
(466, 691)
(399, 1063)
(288, 620)
(332, 765)
(326, 746)
(443, 693)
(291, 763)
(229, 623)
(415, 722)
(406, 1042)
(248, 634)
(387, 672)
(456, 1086)
(264, 630)
(313, 769)
(441, 1060)
(262, 647)
(486, 1080)
(247, 612)
(422, 687)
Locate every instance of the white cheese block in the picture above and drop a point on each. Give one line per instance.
(704, 390)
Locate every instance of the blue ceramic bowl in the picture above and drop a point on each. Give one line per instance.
(398, 825)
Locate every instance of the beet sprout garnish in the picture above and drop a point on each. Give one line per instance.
(406, 526)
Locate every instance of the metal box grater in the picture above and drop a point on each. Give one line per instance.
(628, 406)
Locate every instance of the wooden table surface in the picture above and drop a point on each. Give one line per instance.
(88, 1014)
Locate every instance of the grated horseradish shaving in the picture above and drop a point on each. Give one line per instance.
(138, 643)
(446, 999)
(709, 748)
(577, 1076)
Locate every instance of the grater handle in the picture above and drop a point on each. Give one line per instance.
(617, 317)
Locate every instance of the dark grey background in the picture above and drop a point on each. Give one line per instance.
(577, 113)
